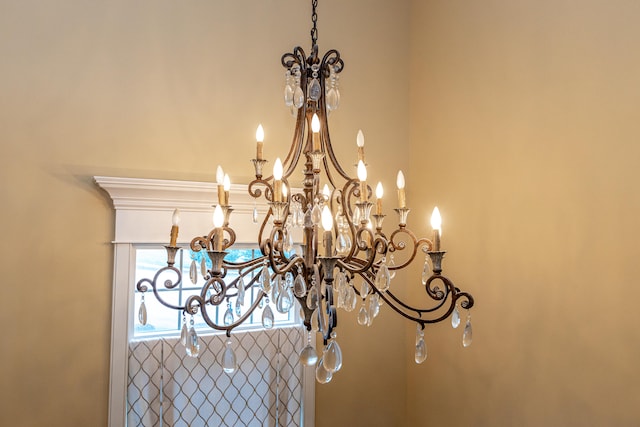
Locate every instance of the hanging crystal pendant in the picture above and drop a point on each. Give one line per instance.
(374, 306)
(267, 317)
(314, 90)
(298, 97)
(315, 321)
(308, 355)
(241, 290)
(316, 214)
(193, 347)
(467, 336)
(184, 332)
(288, 95)
(228, 315)
(203, 266)
(419, 332)
(323, 376)
(142, 312)
(352, 299)
(392, 263)
(455, 318)
(332, 355)
(299, 287)
(238, 308)
(287, 244)
(356, 216)
(383, 277)
(364, 289)
(276, 288)
(312, 298)
(254, 215)
(333, 99)
(426, 271)
(421, 351)
(193, 272)
(363, 316)
(284, 302)
(229, 362)
(265, 279)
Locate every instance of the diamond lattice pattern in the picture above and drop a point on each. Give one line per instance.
(166, 387)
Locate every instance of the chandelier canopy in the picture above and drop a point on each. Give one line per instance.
(345, 260)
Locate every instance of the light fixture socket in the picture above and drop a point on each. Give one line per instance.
(402, 216)
(216, 258)
(258, 165)
(278, 210)
(316, 158)
(365, 212)
(171, 255)
(436, 260)
(377, 222)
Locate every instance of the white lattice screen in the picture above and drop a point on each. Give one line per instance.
(168, 388)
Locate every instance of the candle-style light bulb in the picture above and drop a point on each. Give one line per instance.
(326, 192)
(218, 217)
(277, 183)
(362, 176)
(327, 219)
(226, 186)
(175, 220)
(379, 190)
(277, 169)
(436, 224)
(360, 139)
(315, 128)
(260, 142)
(284, 191)
(327, 224)
(219, 176)
(360, 144)
(402, 200)
(379, 193)
(220, 183)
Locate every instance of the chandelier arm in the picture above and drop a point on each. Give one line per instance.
(234, 283)
(196, 302)
(468, 303)
(332, 58)
(298, 56)
(345, 196)
(169, 284)
(257, 192)
(400, 246)
(241, 265)
(297, 144)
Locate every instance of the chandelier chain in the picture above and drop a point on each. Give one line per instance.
(314, 19)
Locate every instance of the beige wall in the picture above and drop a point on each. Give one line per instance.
(526, 113)
(161, 89)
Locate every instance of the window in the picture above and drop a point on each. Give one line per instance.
(143, 210)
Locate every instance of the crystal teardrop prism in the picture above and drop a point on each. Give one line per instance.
(142, 313)
(421, 351)
(284, 302)
(383, 278)
(419, 333)
(308, 356)
(184, 333)
(265, 280)
(333, 99)
(455, 318)
(288, 95)
(314, 90)
(299, 287)
(364, 289)
(323, 376)
(287, 244)
(312, 298)
(332, 357)
(241, 290)
(267, 317)
(315, 321)
(228, 317)
(203, 266)
(316, 214)
(238, 308)
(193, 347)
(363, 316)
(426, 272)
(352, 299)
(229, 361)
(254, 215)
(374, 306)
(392, 263)
(193, 272)
(467, 336)
(298, 97)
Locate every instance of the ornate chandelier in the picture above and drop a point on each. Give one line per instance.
(344, 259)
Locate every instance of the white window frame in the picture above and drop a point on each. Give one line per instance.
(143, 210)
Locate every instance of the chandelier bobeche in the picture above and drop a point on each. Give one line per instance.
(345, 260)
